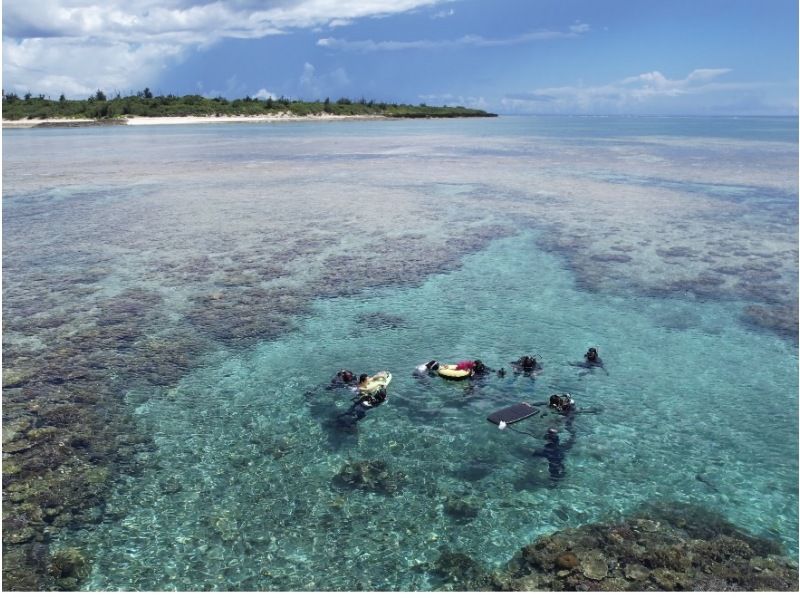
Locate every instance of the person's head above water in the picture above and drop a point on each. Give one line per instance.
(362, 378)
(346, 375)
(591, 354)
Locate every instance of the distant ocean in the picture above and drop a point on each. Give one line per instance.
(177, 298)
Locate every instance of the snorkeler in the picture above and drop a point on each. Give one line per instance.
(362, 404)
(427, 369)
(562, 403)
(527, 365)
(554, 451)
(479, 368)
(591, 360)
(369, 384)
(468, 368)
(565, 406)
(343, 378)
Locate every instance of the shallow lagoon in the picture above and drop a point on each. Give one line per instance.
(270, 257)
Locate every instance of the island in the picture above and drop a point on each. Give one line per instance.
(146, 108)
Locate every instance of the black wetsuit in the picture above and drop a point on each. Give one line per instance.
(364, 403)
(429, 370)
(526, 365)
(554, 451)
(341, 381)
(588, 364)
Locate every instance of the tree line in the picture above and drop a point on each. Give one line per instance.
(144, 103)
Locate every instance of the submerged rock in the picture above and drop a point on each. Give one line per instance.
(68, 566)
(370, 476)
(458, 571)
(671, 547)
(461, 509)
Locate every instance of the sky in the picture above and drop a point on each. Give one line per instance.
(669, 57)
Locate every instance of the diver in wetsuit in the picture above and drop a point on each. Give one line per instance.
(591, 360)
(479, 368)
(555, 451)
(362, 404)
(527, 365)
(426, 369)
(343, 378)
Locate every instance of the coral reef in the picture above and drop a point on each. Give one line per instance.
(68, 566)
(457, 571)
(664, 547)
(370, 476)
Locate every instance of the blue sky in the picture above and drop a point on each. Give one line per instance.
(507, 56)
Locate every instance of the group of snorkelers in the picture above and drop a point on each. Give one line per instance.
(528, 365)
(370, 392)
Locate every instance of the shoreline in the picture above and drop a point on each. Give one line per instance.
(188, 120)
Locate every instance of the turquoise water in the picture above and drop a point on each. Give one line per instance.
(383, 245)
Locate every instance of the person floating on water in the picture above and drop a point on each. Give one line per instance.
(555, 451)
(362, 404)
(427, 369)
(565, 405)
(591, 360)
(368, 384)
(527, 365)
(343, 378)
(468, 368)
(371, 393)
(562, 403)
(476, 366)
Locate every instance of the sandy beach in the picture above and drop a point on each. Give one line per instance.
(280, 117)
(30, 123)
(182, 120)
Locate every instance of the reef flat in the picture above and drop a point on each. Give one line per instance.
(173, 300)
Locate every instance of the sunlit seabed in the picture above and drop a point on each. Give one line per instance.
(238, 492)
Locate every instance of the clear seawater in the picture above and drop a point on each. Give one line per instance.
(383, 245)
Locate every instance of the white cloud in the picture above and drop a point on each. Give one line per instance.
(369, 45)
(339, 23)
(263, 94)
(579, 27)
(76, 46)
(644, 92)
(443, 14)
